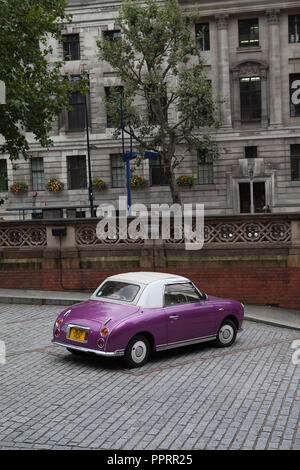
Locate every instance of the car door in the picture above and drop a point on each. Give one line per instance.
(188, 316)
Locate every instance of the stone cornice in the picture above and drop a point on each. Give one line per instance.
(234, 7)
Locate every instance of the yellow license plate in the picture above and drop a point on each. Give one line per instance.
(77, 334)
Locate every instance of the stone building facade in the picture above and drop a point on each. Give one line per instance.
(252, 57)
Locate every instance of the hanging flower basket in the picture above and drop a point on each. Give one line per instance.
(99, 184)
(18, 188)
(138, 182)
(54, 185)
(185, 180)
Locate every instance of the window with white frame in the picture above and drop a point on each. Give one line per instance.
(294, 28)
(202, 35)
(77, 174)
(248, 32)
(3, 175)
(250, 95)
(117, 171)
(205, 168)
(295, 162)
(37, 174)
(295, 94)
(71, 46)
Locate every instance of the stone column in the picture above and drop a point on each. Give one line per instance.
(236, 99)
(264, 98)
(223, 70)
(273, 17)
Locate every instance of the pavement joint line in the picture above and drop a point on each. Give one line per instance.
(19, 353)
(212, 356)
(190, 361)
(25, 320)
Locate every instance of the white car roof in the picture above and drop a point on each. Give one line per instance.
(152, 287)
(146, 277)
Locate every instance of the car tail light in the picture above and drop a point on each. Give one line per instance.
(101, 343)
(104, 331)
(59, 322)
(57, 332)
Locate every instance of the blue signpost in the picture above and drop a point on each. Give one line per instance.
(129, 155)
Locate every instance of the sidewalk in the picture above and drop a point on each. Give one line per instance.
(259, 313)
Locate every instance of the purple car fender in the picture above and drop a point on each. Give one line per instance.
(150, 322)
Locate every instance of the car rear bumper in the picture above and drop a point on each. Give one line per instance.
(94, 351)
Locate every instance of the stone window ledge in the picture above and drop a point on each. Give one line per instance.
(248, 49)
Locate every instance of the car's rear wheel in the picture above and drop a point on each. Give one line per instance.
(137, 351)
(227, 334)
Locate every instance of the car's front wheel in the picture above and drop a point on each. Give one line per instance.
(137, 351)
(226, 334)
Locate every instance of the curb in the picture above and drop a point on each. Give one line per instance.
(39, 301)
(291, 326)
(71, 301)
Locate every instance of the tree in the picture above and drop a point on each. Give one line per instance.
(36, 91)
(162, 73)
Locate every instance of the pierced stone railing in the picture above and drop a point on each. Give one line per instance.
(217, 231)
(267, 231)
(245, 232)
(23, 235)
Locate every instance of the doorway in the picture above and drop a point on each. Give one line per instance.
(259, 197)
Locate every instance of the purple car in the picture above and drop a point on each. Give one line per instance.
(133, 314)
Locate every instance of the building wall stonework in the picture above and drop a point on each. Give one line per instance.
(273, 60)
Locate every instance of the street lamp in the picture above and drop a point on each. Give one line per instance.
(129, 155)
(91, 193)
(251, 191)
(89, 147)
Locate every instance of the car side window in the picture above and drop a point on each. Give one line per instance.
(180, 294)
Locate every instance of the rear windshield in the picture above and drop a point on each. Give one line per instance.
(118, 291)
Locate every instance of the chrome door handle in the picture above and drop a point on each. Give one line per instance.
(174, 317)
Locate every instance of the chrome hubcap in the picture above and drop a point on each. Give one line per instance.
(139, 351)
(226, 334)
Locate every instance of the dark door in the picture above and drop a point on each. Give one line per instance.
(259, 197)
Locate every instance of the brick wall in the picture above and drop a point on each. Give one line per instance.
(279, 286)
(267, 272)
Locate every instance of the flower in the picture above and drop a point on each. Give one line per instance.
(185, 180)
(18, 187)
(138, 182)
(99, 184)
(54, 185)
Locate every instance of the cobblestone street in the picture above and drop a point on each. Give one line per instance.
(198, 397)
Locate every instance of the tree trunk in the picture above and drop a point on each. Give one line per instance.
(176, 199)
